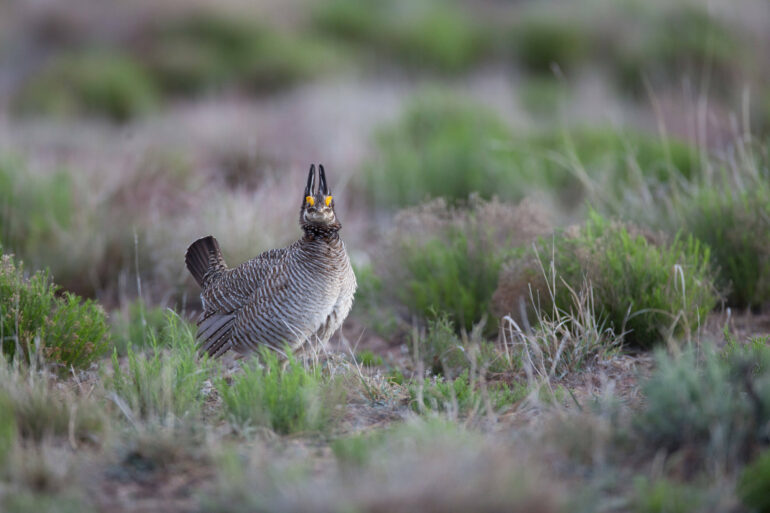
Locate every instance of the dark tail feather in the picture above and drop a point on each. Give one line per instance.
(202, 257)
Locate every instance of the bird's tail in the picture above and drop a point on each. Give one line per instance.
(204, 257)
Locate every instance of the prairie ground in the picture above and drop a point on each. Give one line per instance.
(558, 214)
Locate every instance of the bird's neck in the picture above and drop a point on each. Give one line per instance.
(321, 233)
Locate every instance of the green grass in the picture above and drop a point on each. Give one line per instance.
(683, 39)
(107, 84)
(202, 52)
(540, 43)
(666, 496)
(441, 259)
(35, 408)
(736, 227)
(294, 399)
(646, 292)
(447, 146)
(34, 209)
(163, 385)
(369, 359)
(35, 321)
(463, 395)
(442, 146)
(139, 326)
(422, 34)
(566, 337)
(8, 428)
(754, 482)
(443, 352)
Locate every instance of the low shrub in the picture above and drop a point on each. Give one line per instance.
(422, 34)
(677, 40)
(441, 259)
(201, 52)
(286, 400)
(65, 330)
(539, 43)
(665, 495)
(645, 291)
(754, 482)
(714, 407)
(165, 384)
(736, 227)
(108, 84)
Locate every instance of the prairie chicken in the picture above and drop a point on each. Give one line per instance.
(282, 297)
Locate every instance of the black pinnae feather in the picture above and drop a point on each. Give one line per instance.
(310, 181)
(324, 187)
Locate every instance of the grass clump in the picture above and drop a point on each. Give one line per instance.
(165, 384)
(112, 85)
(445, 260)
(34, 408)
(564, 339)
(713, 407)
(442, 351)
(369, 359)
(645, 291)
(66, 330)
(288, 400)
(736, 226)
(463, 395)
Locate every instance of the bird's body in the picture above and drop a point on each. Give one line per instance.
(283, 297)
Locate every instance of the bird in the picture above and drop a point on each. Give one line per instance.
(289, 297)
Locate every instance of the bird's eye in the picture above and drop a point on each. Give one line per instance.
(328, 200)
(310, 200)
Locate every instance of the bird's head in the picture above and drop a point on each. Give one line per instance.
(317, 214)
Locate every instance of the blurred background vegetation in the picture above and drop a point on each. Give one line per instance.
(534, 194)
(128, 130)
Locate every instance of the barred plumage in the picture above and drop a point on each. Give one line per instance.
(285, 296)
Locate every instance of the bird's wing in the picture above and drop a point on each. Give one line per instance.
(225, 298)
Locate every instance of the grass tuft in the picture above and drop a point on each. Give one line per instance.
(165, 384)
(287, 400)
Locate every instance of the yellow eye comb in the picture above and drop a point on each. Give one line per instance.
(310, 200)
(328, 200)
